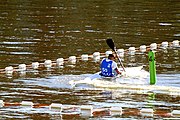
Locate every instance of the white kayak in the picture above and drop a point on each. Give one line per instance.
(135, 78)
(131, 72)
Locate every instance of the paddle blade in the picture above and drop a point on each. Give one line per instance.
(110, 43)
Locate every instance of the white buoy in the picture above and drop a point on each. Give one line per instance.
(60, 61)
(120, 52)
(175, 43)
(143, 48)
(107, 53)
(48, 63)
(27, 103)
(96, 56)
(72, 59)
(35, 65)
(22, 67)
(164, 44)
(1, 103)
(84, 57)
(175, 112)
(116, 110)
(153, 46)
(86, 110)
(132, 50)
(146, 112)
(55, 106)
(9, 70)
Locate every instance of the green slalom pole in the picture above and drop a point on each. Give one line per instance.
(152, 67)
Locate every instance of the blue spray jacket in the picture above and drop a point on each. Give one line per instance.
(106, 68)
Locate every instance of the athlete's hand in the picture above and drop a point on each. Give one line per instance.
(119, 72)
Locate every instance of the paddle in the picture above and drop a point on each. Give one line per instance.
(110, 43)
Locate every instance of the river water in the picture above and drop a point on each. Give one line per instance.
(36, 30)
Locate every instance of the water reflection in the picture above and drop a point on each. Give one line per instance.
(33, 31)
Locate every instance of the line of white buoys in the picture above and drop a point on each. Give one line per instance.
(96, 57)
(84, 57)
(35, 65)
(48, 63)
(88, 110)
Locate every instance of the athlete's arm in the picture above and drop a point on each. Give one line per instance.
(115, 67)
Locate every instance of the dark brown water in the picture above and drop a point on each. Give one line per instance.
(35, 30)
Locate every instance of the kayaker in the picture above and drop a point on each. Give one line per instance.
(109, 67)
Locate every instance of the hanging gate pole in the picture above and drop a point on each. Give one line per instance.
(152, 67)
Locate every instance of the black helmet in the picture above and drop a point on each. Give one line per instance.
(110, 56)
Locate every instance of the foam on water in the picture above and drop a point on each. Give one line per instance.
(135, 72)
(134, 79)
(165, 83)
(133, 75)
